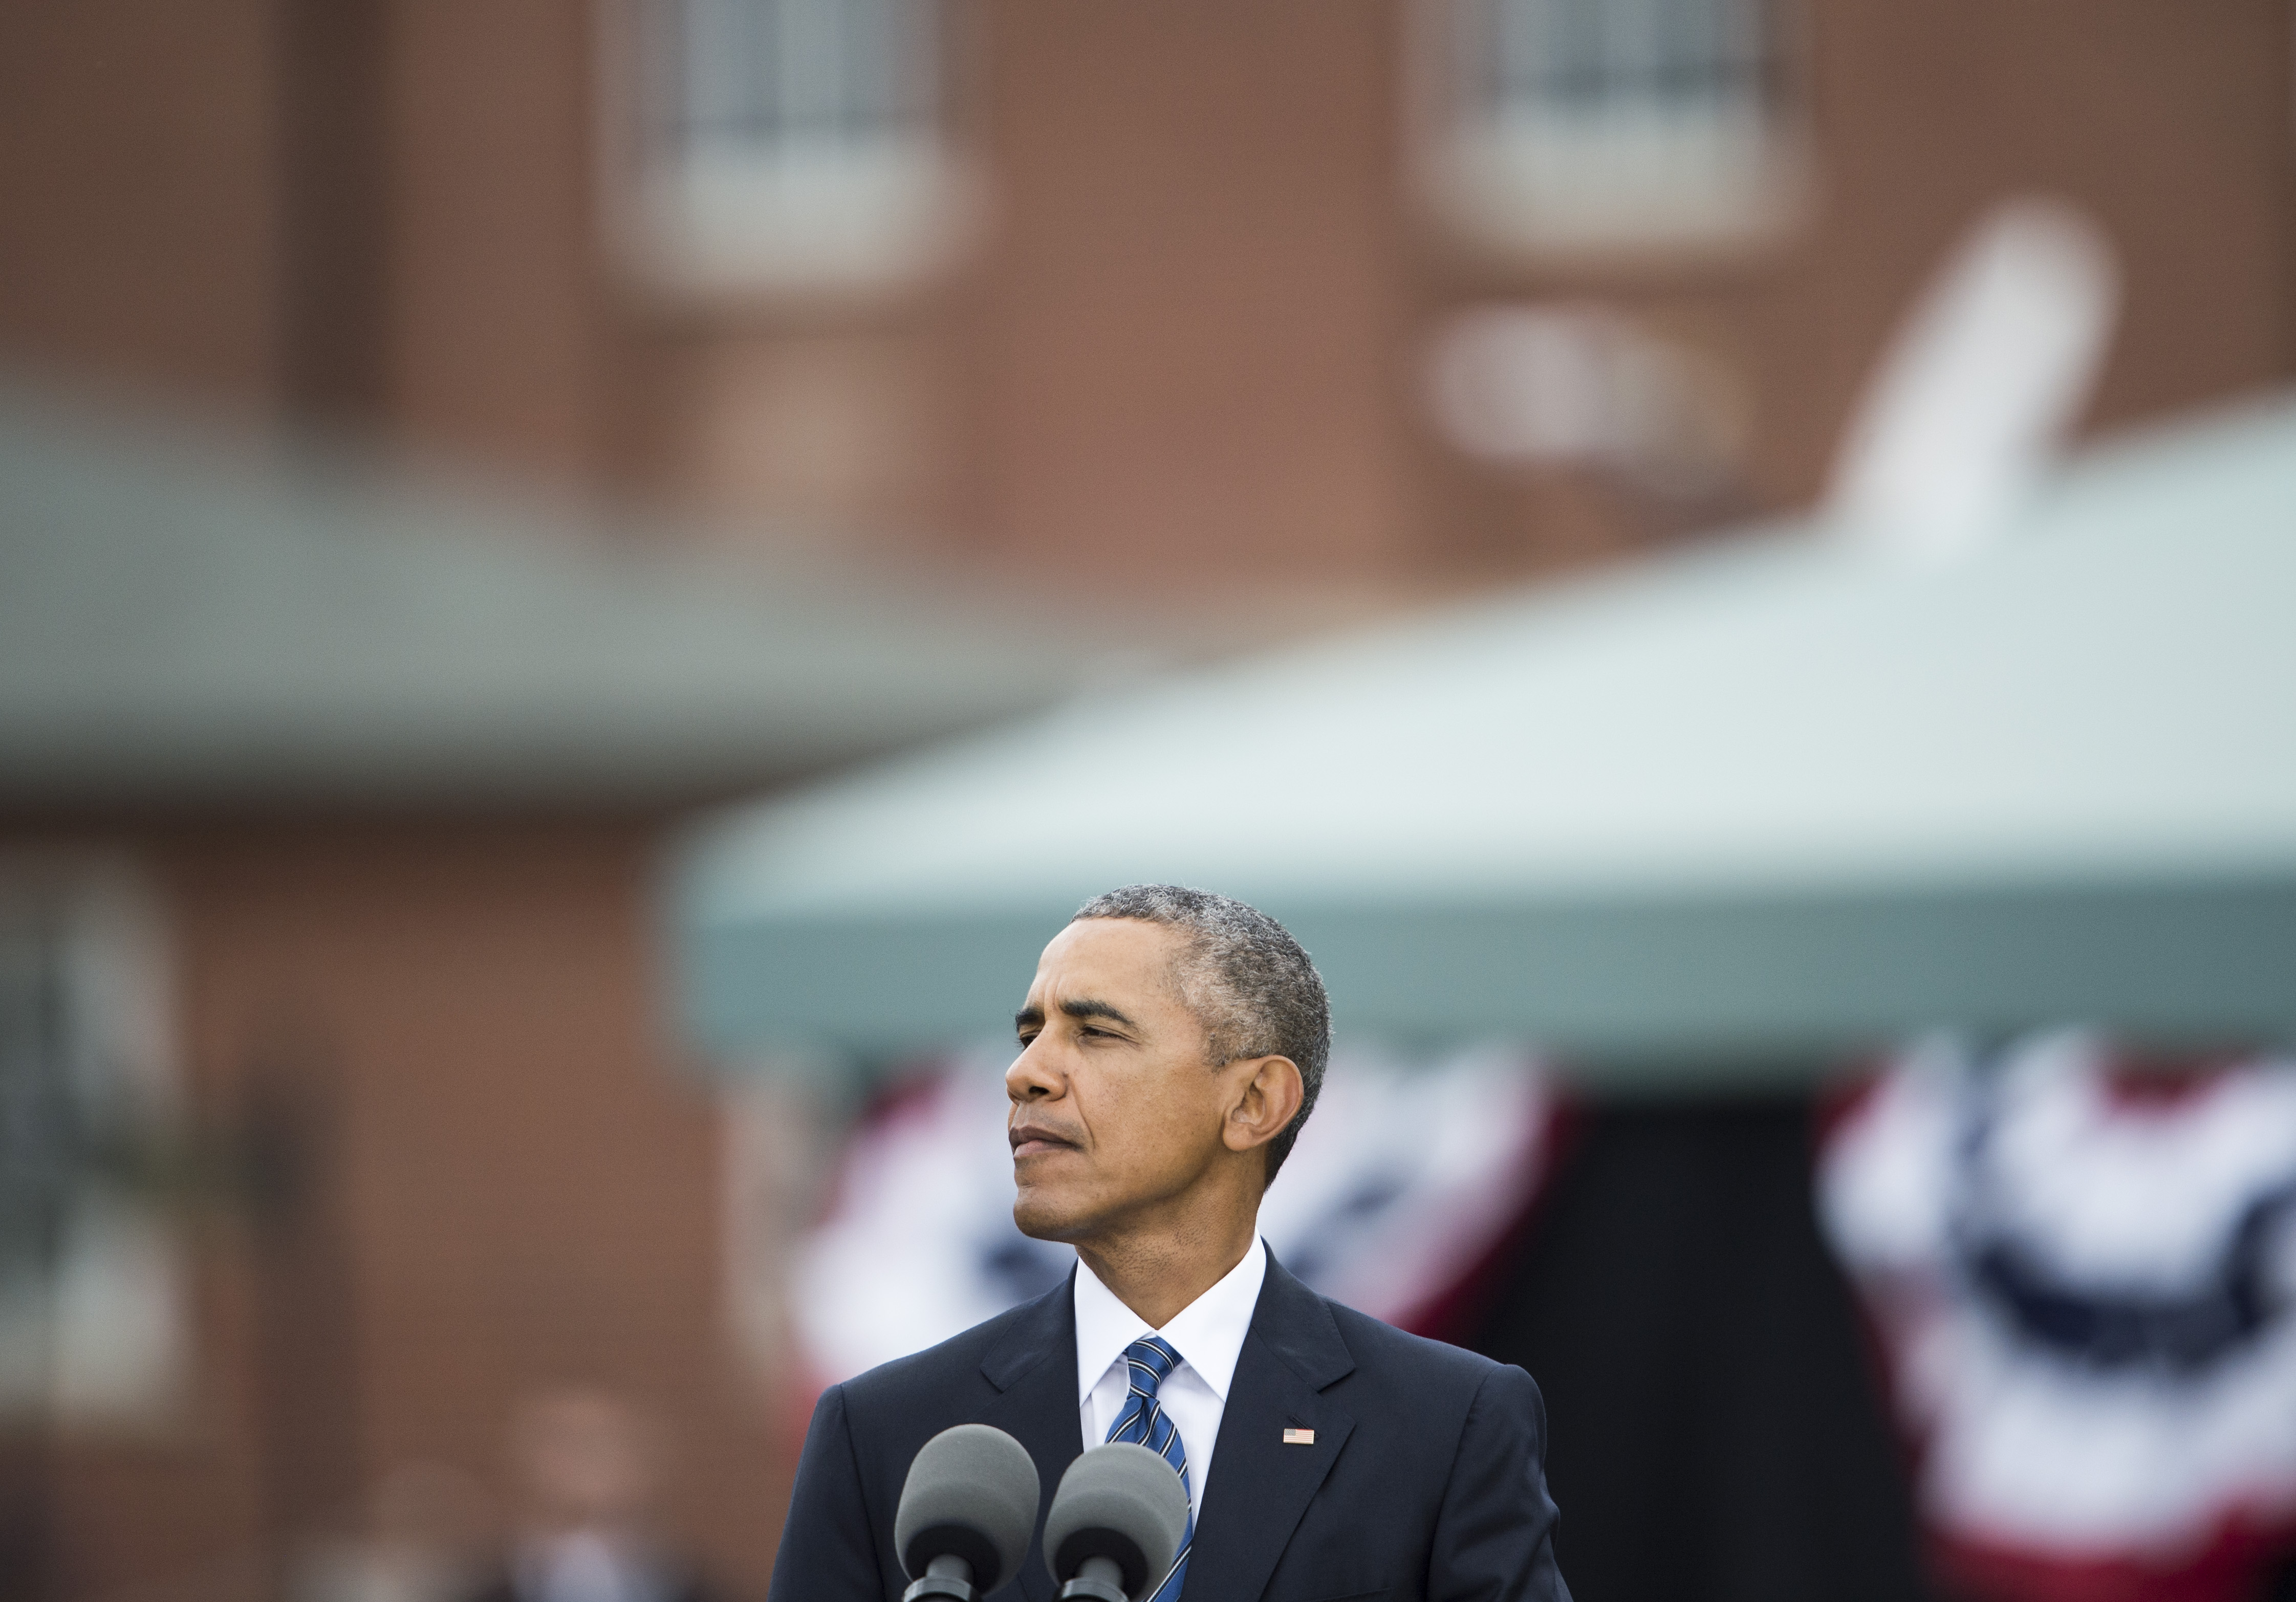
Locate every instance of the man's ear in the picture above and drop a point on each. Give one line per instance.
(1270, 1097)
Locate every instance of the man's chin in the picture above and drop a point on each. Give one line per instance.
(1042, 1217)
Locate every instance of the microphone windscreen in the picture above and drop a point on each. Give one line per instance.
(1119, 1501)
(972, 1492)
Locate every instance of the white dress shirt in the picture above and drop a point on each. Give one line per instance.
(1208, 1336)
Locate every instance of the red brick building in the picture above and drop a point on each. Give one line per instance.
(1157, 283)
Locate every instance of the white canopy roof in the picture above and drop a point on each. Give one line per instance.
(1781, 796)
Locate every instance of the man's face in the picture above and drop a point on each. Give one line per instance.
(1114, 1108)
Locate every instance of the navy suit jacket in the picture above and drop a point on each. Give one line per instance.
(1425, 1481)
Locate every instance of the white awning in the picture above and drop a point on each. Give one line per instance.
(182, 622)
(1772, 799)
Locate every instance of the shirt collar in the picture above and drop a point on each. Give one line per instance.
(1207, 1333)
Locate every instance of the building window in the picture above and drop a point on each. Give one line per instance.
(91, 1304)
(792, 144)
(1605, 124)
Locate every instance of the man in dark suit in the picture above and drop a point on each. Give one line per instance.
(1171, 1045)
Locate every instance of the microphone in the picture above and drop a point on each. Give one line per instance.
(1116, 1524)
(966, 1512)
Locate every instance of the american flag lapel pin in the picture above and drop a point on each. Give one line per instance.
(1298, 1437)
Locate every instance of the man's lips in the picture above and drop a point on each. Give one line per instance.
(1032, 1140)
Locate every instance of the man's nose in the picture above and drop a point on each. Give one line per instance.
(1030, 1078)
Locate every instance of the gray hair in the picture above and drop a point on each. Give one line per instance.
(1245, 978)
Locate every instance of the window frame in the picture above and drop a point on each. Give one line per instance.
(1513, 190)
(866, 216)
(99, 1333)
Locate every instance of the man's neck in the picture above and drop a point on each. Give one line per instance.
(1158, 1276)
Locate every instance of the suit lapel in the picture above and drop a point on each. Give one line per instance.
(1034, 1371)
(1255, 1501)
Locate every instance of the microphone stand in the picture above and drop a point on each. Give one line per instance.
(1097, 1579)
(947, 1576)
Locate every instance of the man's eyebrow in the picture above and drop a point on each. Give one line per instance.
(1083, 1009)
(1032, 1017)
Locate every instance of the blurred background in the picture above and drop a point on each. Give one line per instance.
(452, 453)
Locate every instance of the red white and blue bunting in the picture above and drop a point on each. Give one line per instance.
(2082, 1273)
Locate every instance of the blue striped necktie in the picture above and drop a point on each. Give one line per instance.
(1143, 1422)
